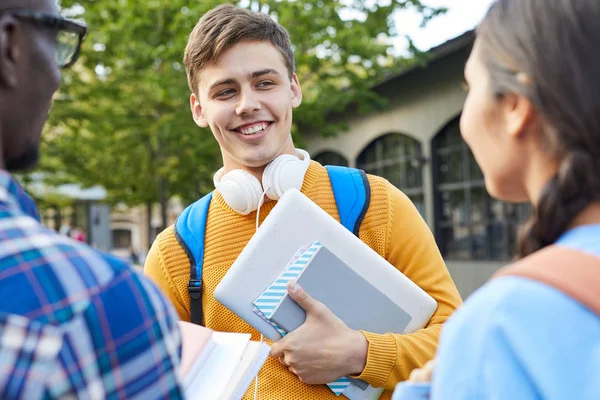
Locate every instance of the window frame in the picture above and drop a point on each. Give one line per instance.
(507, 248)
(377, 166)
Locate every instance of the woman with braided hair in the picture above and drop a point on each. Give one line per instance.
(532, 120)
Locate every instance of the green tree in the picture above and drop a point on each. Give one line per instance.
(122, 117)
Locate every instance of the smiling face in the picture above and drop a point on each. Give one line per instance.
(246, 98)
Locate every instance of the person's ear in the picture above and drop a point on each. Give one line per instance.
(518, 113)
(198, 111)
(12, 42)
(296, 91)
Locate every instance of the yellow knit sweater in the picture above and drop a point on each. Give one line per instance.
(392, 227)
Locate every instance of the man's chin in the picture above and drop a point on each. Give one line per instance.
(254, 166)
(258, 163)
(25, 161)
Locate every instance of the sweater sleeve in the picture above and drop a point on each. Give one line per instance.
(410, 247)
(156, 269)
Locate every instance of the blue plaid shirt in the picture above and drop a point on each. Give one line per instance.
(74, 322)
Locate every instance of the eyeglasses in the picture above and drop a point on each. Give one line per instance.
(68, 39)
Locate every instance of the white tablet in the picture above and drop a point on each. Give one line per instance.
(295, 222)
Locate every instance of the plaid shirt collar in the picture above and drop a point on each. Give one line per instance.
(15, 197)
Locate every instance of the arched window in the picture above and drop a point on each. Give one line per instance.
(470, 225)
(331, 158)
(398, 158)
(121, 238)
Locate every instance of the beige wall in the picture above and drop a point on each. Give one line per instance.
(421, 104)
(470, 275)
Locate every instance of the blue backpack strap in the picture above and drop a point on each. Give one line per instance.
(352, 194)
(189, 228)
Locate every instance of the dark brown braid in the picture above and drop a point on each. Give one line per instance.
(576, 185)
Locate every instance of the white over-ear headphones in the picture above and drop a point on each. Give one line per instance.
(242, 191)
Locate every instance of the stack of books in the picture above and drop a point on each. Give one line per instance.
(218, 365)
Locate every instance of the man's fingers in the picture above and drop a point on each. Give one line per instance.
(302, 298)
(416, 375)
(422, 374)
(277, 349)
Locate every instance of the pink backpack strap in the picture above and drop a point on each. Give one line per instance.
(573, 272)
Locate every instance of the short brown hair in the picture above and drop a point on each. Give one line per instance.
(225, 26)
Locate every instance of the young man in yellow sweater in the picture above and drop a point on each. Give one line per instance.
(240, 68)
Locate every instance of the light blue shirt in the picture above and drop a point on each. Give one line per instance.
(515, 339)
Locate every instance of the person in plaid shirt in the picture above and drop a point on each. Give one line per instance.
(74, 322)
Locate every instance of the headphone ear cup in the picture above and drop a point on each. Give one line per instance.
(284, 173)
(273, 177)
(240, 190)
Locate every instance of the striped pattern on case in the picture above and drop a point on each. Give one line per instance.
(271, 298)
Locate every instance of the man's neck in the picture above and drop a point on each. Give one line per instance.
(257, 172)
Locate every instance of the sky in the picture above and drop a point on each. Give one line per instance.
(462, 16)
